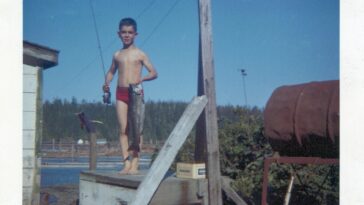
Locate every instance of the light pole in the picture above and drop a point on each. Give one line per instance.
(243, 74)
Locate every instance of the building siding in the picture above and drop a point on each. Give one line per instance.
(31, 89)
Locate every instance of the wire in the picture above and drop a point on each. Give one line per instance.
(65, 85)
(160, 22)
(146, 9)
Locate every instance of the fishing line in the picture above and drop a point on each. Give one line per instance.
(107, 95)
(98, 39)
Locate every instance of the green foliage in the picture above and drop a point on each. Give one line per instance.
(243, 148)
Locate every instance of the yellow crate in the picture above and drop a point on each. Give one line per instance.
(191, 170)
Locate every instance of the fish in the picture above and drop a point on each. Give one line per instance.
(136, 109)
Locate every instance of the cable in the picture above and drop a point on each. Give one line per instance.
(65, 85)
(146, 9)
(160, 22)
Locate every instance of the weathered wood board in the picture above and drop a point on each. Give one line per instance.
(208, 121)
(169, 151)
(29, 139)
(30, 94)
(97, 188)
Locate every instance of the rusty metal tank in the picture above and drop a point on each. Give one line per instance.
(303, 120)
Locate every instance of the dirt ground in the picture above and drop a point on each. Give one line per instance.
(59, 195)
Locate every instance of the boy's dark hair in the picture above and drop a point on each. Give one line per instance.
(128, 22)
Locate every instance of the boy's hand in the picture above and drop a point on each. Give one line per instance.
(106, 88)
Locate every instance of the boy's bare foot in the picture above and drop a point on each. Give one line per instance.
(134, 166)
(133, 172)
(127, 167)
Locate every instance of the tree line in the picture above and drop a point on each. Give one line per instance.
(61, 122)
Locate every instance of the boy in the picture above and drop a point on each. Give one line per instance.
(129, 62)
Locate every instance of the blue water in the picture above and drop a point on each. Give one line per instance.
(51, 176)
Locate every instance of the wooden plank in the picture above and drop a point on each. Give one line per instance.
(29, 70)
(28, 139)
(29, 120)
(210, 113)
(30, 83)
(27, 194)
(28, 177)
(176, 191)
(230, 192)
(98, 193)
(28, 158)
(38, 55)
(109, 188)
(169, 151)
(29, 102)
(130, 181)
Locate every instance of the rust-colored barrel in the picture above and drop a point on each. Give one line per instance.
(303, 120)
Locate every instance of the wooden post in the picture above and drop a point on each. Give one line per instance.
(85, 122)
(200, 139)
(289, 190)
(208, 124)
(73, 151)
(169, 151)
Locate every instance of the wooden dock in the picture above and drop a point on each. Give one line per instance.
(97, 188)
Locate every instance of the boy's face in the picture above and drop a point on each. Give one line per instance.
(127, 35)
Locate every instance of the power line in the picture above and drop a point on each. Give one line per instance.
(65, 85)
(146, 9)
(160, 22)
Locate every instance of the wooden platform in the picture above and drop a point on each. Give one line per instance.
(110, 188)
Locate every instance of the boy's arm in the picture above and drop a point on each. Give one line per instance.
(152, 73)
(109, 75)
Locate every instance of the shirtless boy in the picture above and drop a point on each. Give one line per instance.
(129, 62)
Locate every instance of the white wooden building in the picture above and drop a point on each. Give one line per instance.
(36, 59)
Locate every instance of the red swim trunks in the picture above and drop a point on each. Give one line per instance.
(122, 94)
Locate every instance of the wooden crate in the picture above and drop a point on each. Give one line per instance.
(191, 170)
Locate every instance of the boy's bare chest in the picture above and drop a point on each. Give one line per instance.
(128, 59)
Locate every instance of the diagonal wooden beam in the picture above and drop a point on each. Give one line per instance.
(169, 151)
(230, 192)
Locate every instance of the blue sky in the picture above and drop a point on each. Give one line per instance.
(277, 42)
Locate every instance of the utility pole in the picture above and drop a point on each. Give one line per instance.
(243, 74)
(207, 129)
